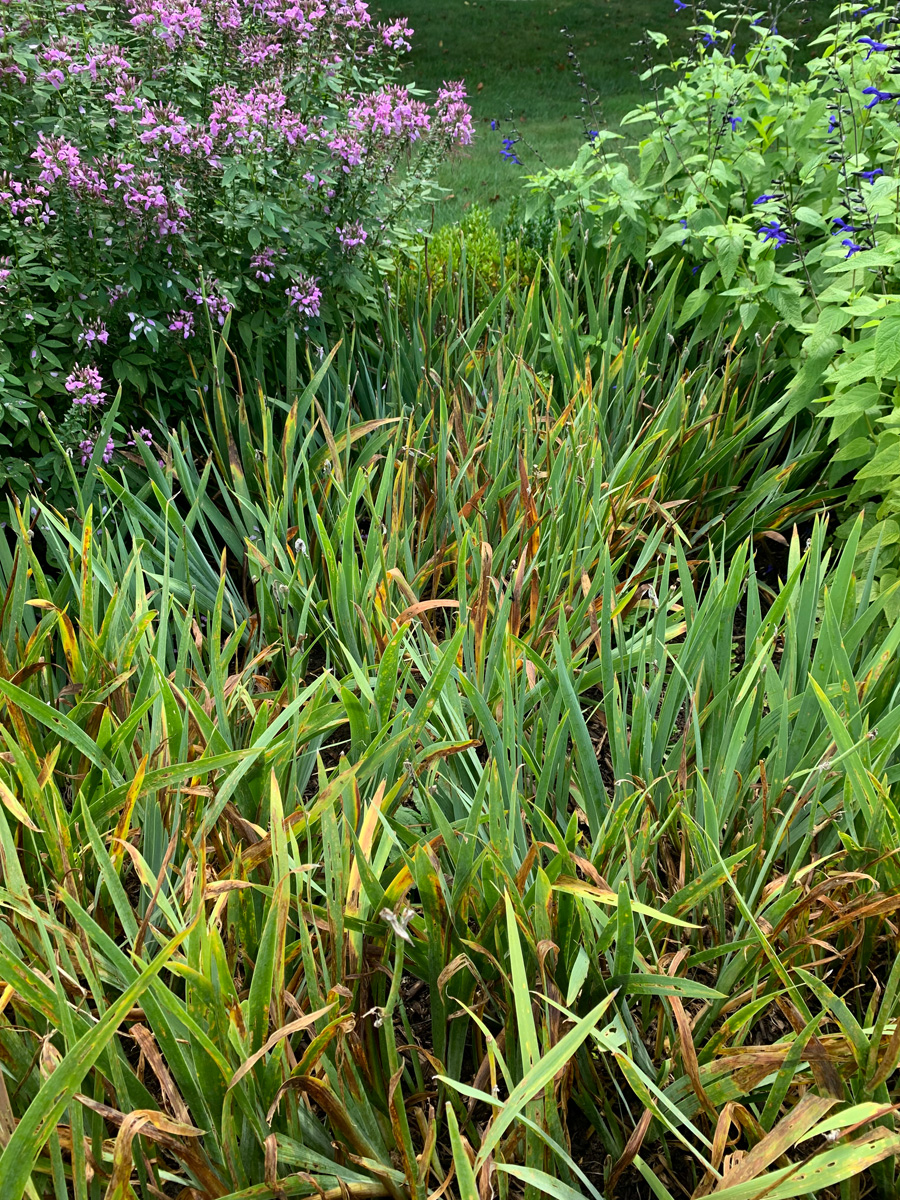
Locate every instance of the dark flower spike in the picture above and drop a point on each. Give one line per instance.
(877, 96)
(874, 46)
(773, 232)
(870, 175)
(852, 247)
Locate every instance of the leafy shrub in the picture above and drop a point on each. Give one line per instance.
(774, 184)
(471, 247)
(483, 254)
(168, 162)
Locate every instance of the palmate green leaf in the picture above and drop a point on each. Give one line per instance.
(43, 1114)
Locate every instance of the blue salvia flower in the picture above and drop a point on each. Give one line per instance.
(877, 96)
(593, 134)
(680, 5)
(735, 121)
(708, 39)
(852, 247)
(870, 175)
(861, 12)
(873, 46)
(493, 124)
(508, 152)
(832, 123)
(842, 226)
(764, 199)
(774, 233)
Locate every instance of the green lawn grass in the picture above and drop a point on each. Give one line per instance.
(514, 59)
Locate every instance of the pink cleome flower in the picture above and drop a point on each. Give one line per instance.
(217, 305)
(93, 331)
(397, 36)
(87, 449)
(391, 113)
(182, 322)
(351, 235)
(172, 21)
(85, 386)
(454, 113)
(265, 262)
(305, 296)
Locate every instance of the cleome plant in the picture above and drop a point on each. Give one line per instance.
(169, 162)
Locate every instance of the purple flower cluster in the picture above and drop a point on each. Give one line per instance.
(160, 138)
(351, 235)
(173, 22)
(24, 200)
(145, 435)
(93, 332)
(397, 36)
(165, 127)
(264, 263)
(117, 183)
(182, 322)
(391, 113)
(509, 151)
(305, 296)
(87, 450)
(217, 305)
(772, 231)
(453, 112)
(85, 386)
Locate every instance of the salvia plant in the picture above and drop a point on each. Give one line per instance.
(769, 169)
(166, 163)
